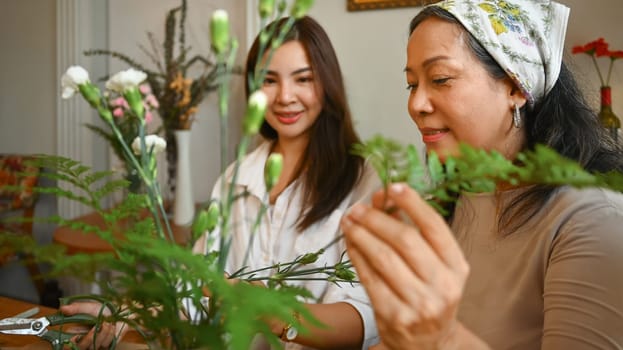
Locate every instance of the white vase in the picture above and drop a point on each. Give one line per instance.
(184, 204)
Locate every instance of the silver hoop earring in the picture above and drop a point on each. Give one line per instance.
(516, 117)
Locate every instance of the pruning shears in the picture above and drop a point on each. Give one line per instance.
(39, 327)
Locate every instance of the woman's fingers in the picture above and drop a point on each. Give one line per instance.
(90, 308)
(380, 269)
(92, 340)
(403, 239)
(97, 337)
(431, 224)
(398, 293)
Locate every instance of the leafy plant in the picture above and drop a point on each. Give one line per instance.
(475, 170)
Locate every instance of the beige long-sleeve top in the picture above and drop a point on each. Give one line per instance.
(557, 283)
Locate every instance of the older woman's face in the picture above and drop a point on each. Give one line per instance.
(452, 98)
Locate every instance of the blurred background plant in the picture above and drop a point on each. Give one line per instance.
(128, 124)
(178, 94)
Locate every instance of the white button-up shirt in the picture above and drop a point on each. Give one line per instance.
(277, 240)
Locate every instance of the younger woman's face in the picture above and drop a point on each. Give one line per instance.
(452, 97)
(293, 92)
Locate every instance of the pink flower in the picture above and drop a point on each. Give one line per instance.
(118, 112)
(152, 101)
(144, 89)
(148, 117)
(120, 102)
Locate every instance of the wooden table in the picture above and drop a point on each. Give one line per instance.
(11, 307)
(78, 241)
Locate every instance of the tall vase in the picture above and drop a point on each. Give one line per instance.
(607, 118)
(184, 204)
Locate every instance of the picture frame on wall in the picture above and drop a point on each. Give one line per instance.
(359, 5)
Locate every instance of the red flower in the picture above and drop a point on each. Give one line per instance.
(599, 48)
(615, 54)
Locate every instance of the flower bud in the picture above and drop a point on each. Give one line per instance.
(272, 170)
(281, 7)
(214, 212)
(135, 101)
(310, 258)
(345, 274)
(300, 8)
(255, 113)
(104, 113)
(200, 224)
(91, 93)
(266, 8)
(219, 29)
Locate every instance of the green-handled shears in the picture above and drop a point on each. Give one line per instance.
(39, 327)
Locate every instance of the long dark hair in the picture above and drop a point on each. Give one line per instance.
(562, 120)
(328, 168)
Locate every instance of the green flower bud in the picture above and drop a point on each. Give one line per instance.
(281, 7)
(135, 100)
(272, 170)
(345, 274)
(310, 257)
(200, 224)
(219, 29)
(91, 93)
(301, 7)
(214, 213)
(266, 8)
(104, 113)
(255, 113)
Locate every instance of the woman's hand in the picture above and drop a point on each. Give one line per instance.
(94, 339)
(413, 273)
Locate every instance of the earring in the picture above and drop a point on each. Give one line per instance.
(516, 117)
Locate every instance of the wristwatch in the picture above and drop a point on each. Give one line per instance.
(289, 333)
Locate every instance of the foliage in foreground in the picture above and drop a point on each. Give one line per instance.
(476, 170)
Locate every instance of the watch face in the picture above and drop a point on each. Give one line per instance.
(292, 333)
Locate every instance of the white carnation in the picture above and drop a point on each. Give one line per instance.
(73, 77)
(155, 141)
(127, 79)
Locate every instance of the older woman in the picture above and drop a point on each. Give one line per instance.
(525, 267)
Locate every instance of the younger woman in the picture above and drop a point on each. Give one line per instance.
(307, 121)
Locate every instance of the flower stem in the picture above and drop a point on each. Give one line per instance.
(601, 79)
(609, 71)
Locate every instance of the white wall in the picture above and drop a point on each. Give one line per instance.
(371, 49)
(27, 76)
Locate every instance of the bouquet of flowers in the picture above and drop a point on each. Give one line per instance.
(599, 48)
(178, 94)
(126, 121)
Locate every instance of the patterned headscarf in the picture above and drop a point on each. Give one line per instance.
(525, 37)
